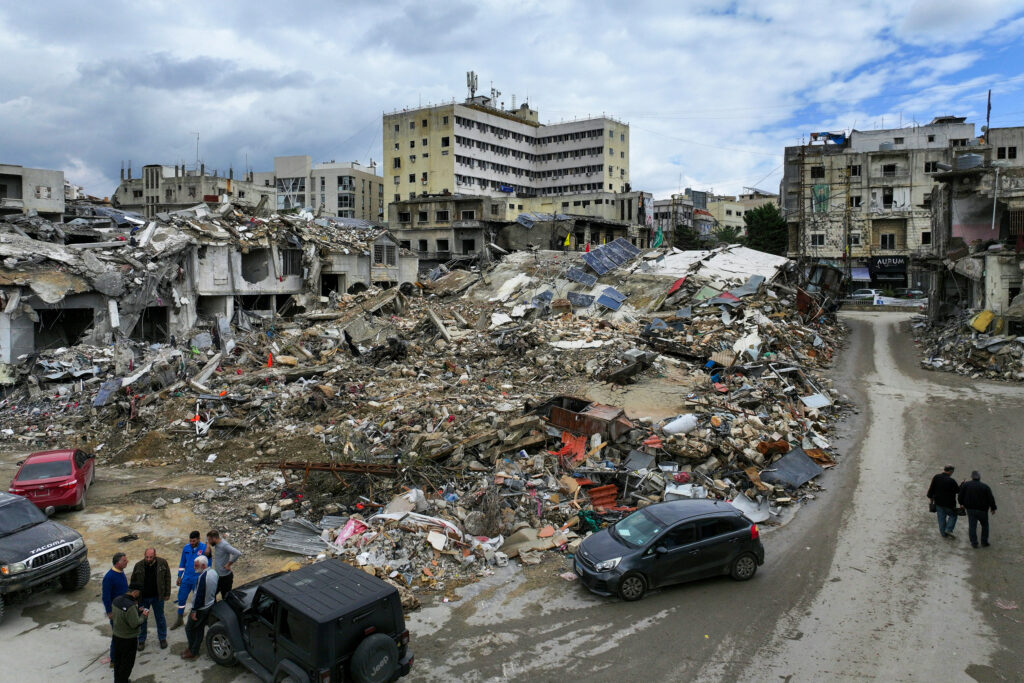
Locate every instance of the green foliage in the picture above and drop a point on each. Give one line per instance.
(728, 234)
(685, 238)
(766, 230)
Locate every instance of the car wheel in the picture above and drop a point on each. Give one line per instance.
(632, 586)
(375, 659)
(218, 645)
(77, 578)
(81, 503)
(743, 567)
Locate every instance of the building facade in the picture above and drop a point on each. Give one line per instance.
(163, 189)
(347, 190)
(23, 190)
(863, 201)
(479, 148)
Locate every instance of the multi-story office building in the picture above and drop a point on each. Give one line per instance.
(479, 148)
(31, 189)
(862, 201)
(348, 189)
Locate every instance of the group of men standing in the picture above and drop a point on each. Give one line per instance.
(128, 602)
(971, 495)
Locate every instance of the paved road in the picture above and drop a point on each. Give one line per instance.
(859, 586)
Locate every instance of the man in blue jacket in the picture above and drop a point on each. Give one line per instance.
(115, 584)
(187, 574)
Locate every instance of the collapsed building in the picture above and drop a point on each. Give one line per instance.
(115, 276)
(430, 430)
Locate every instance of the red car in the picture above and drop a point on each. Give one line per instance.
(57, 478)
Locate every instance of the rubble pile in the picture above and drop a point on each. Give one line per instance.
(979, 344)
(438, 428)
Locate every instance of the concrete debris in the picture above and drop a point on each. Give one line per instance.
(979, 344)
(436, 428)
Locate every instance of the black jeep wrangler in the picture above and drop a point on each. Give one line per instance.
(325, 622)
(35, 551)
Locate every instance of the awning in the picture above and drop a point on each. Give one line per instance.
(860, 274)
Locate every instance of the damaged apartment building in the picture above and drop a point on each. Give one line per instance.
(154, 280)
(978, 221)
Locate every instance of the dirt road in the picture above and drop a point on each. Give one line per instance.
(859, 586)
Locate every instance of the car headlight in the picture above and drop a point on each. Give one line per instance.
(608, 564)
(13, 568)
(76, 544)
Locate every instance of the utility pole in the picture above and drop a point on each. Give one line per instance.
(848, 257)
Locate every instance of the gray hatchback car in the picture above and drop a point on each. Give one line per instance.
(669, 543)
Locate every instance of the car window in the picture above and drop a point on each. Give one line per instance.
(638, 529)
(680, 535)
(19, 514)
(265, 608)
(710, 528)
(298, 629)
(44, 470)
(79, 458)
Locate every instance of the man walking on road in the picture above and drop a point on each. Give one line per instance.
(942, 492)
(206, 589)
(115, 584)
(127, 617)
(187, 573)
(977, 498)
(223, 556)
(154, 575)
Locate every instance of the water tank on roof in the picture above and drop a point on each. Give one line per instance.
(886, 147)
(969, 161)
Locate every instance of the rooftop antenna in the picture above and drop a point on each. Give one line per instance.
(471, 83)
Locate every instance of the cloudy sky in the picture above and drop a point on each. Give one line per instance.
(712, 90)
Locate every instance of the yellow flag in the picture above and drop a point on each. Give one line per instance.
(568, 236)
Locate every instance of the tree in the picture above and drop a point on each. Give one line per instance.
(728, 234)
(686, 238)
(766, 230)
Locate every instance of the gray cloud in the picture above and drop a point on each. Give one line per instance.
(164, 71)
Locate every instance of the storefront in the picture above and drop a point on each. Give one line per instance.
(888, 272)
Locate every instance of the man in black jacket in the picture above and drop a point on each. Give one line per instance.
(943, 492)
(977, 498)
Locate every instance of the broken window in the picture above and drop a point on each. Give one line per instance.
(855, 171)
(468, 246)
(421, 216)
(404, 216)
(442, 216)
(379, 254)
(61, 326)
(442, 245)
(256, 265)
(291, 262)
(887, 240)
(468, 215)
(152, 325)
(926, 237)
(817, 171)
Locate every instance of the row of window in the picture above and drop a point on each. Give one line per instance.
(440, 216)
(445, 142)
(545, 140)
(886, 240)
(424, 123)
(519, 154)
